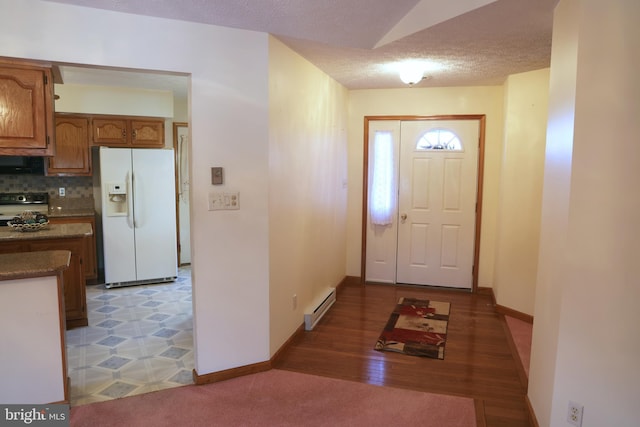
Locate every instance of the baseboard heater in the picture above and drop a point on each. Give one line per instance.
(315, 312)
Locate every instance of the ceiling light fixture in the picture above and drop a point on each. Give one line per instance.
(411, 73)
(414, 71)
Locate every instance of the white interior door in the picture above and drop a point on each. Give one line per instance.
(437, 203)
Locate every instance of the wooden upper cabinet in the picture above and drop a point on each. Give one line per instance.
(116, 131)
(73, 153)
(112, 132)
(26, 109)
(147, 133)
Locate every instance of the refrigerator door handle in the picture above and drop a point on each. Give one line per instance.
(130, 219)
(179, 163)
(137, 208)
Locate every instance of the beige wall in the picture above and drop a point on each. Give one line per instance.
(181, 109)
(586, 341)
(428, 101)
(229, 124)
(525, 124)
(307, 196)
(94, 99)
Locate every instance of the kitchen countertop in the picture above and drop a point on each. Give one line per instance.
(52, 231)
(33, 264)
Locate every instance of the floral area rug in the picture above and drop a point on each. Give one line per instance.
(416, 327)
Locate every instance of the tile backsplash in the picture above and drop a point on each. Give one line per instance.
(75, 186)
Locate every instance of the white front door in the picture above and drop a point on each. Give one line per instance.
(437, 202)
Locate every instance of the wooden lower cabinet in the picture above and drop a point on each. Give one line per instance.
(73, 277)
(90, 261)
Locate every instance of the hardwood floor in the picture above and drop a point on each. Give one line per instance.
(478, 360)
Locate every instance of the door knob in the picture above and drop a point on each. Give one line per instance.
(403, 217)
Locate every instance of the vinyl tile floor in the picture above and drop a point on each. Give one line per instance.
(139, 340)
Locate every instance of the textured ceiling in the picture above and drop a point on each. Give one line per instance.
(476, 42)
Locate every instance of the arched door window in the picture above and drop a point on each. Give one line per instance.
(439, 139)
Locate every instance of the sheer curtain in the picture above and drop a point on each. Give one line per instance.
(383, 194)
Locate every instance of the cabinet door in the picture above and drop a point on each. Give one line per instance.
(72, 147)
(110, 131)
(90, 261)
(147, 133)
(13, 247)
(26, 116)
(72, 277)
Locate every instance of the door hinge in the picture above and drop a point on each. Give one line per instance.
(48, 140)
(46, 79)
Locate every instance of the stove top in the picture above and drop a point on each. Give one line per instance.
(13, 204)
(24, 198)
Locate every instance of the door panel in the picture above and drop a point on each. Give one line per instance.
(419, 237)
(421, 173)
(450, 244)
(437, 193)
(452, 182)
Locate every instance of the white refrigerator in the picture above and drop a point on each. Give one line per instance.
(138, 216)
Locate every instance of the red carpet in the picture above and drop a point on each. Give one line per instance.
(280, 398)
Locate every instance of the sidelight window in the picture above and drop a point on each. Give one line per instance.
(383, 194)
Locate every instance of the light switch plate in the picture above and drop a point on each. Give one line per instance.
(224, 201)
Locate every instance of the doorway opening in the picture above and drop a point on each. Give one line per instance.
(140, 338)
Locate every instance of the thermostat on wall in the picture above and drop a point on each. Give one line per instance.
(217, 177)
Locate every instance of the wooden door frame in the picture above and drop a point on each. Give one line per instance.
(176, 125)
(481, 118)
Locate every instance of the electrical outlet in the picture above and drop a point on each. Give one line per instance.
(61, 192)
(295, 301)
(574, 414)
